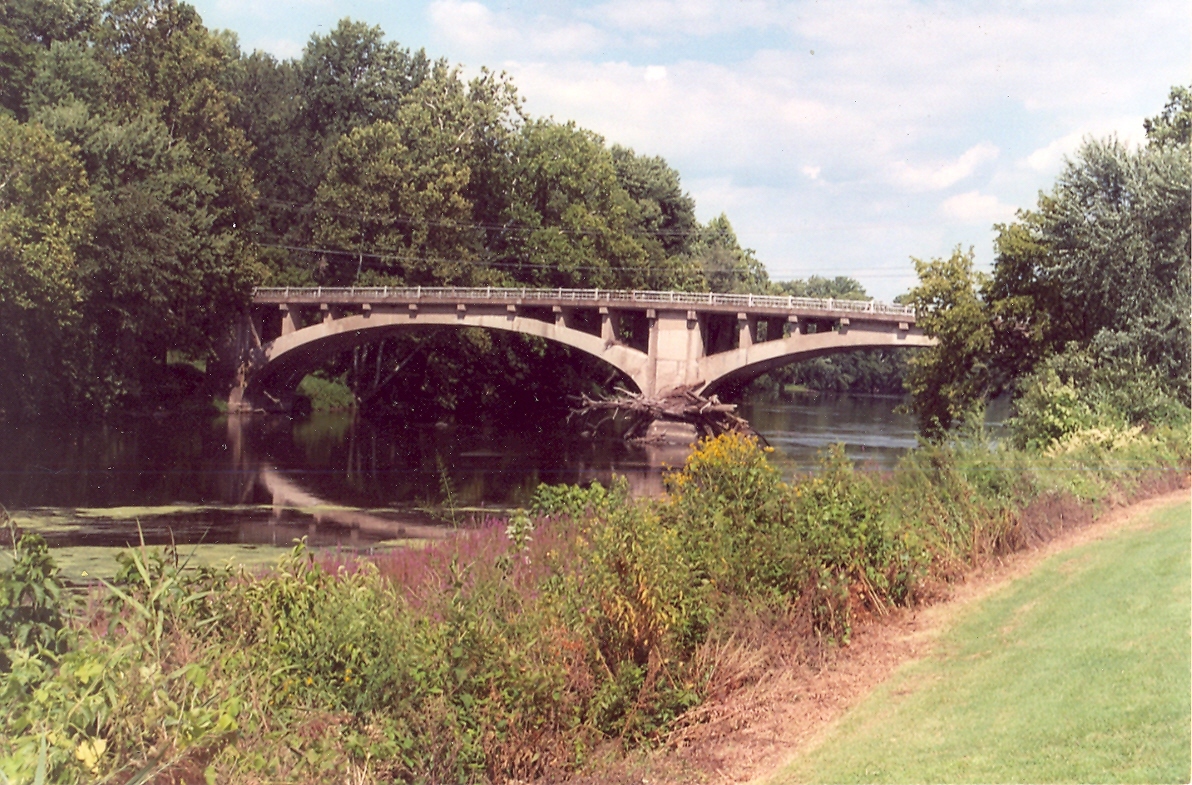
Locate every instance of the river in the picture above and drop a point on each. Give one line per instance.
(243, 489)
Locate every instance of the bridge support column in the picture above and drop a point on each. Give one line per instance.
(288, 323)
(610, 325)
(746, 330)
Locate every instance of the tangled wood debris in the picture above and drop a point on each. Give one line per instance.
(709, 416)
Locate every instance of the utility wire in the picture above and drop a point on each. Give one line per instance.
(387, 255)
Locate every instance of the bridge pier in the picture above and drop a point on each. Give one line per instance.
(675, 349)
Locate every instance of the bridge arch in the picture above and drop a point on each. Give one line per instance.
(276, 367)
(738, 367)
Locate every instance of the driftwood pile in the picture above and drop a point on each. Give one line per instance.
(709, 416)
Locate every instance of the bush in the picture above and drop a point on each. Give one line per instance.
(1076, 391)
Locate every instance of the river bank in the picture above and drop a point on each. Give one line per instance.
(544, 646)
(754, 734)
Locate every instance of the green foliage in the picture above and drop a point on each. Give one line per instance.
(724, 264)
(1174, 124)
(949, 379)
(45, 216)
(27, 29)
(1103, 261)
(574, 501)
(1102, 266)
(143, 697)
(32, 601)
(397, 191)
(326, 395)
(1076, 390)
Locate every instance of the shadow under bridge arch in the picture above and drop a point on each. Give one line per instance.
(272, 370)
(731, 370)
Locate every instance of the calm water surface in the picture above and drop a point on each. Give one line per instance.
(243, 489)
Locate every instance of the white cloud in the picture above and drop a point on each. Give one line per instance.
(939, 176)
(470, 28)
(974, 207)
(281, 48)
(1049, 158)
(470, 25)
(672, 18)
(811, 171)
(655, 73)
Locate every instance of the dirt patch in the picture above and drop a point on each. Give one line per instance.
(754, 730)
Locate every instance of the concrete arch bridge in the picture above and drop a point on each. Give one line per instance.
(658, 340)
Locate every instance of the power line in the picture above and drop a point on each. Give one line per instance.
(464, 225)
(387, 255)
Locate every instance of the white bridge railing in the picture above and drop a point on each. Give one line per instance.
(350, 294)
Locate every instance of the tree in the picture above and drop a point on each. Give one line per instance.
(1174, 124)
(839, 288)
(27, 28)
(952, 378)
(167, 266)
(569, 220)
(665, 212)
(1103, 261)
(45, 213)
(395, 195)
(725, 265)
(352, 77)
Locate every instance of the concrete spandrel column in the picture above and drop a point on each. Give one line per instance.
(565, 317)
(327, 315)
(289, 323)
(746, 331)
(610, 325)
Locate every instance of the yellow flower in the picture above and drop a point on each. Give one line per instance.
(89, 752)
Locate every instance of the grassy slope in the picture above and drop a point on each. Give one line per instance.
(1078, 673)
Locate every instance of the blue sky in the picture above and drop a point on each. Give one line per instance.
(840, 138)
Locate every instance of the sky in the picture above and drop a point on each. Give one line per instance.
(840, 138)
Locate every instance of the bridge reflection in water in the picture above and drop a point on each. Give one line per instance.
(354, 484)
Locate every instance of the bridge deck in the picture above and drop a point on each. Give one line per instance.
(754, 304)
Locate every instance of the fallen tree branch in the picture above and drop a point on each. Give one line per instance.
(681, 404)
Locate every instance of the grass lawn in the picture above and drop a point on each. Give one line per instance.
(1079, 672)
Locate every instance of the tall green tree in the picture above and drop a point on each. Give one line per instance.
(952, 378)
(1103, 261)
(27, 29)
(45, 214)
(570, 220)
(294, 112)
(402, 202)
(724, 264)
(148, 105)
